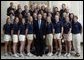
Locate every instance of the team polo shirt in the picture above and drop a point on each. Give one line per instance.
(66, 27)
(49, 28)
(7, 28)
(58, 26)
(62, 20)
(30, 28)
(15, 28)
(76, 28)
(22, 28)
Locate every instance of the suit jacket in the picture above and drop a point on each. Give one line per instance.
(39, 32)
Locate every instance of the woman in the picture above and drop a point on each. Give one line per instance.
(71, 18)
(67, 36)
(58, 31)
(22, 29)
(7, 34)
(29, 34)
(15, 28)
(49, 36)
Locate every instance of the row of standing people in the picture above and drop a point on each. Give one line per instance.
(40, 24)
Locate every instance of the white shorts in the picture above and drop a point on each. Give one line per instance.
(15, 38)
(7, 37)
(57, 36)
(68, 37)
(21, 37)
(30, 36)
(49, 39)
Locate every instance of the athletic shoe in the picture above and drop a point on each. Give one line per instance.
(50, 54)
(15, 55)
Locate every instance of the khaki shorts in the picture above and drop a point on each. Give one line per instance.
(21, 37)
(15, 38)
(49, 39)
(68, 37)
(30, 36)
(57, 36)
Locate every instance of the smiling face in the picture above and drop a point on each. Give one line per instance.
(48, 19)
(16, 19)
(26, 7)
(23, 20)
(30, 19)
(56, 18)
(34, 15)
(63, 6)
(67, 19)
(39, 16)
(75, 18)
(11, 4)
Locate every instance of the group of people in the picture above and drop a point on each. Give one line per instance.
(41, 27)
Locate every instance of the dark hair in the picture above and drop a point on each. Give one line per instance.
(63, 4)
(76, 16)
(70, 15)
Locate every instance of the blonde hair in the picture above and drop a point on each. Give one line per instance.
(7, 19)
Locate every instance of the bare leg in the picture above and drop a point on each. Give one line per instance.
(69, 46)
(56, 44)
(50, 48)
(14, 47)
(21, 46)
(29, 45)
(6, 44)
(10, 46)
(60, 46)
(66, 46)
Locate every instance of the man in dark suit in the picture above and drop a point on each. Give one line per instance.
(39, 31)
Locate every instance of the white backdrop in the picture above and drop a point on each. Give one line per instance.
(75, 6)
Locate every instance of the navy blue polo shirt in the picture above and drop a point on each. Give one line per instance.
(66, 27)
(7, 28)
(15, 28)
(76, 28)
(30, 28)
(49, 28)
(62, 20)
(58, 26)
(22, 28)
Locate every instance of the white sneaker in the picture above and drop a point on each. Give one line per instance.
(59, 54)
(56, 53)
(68, 54)
(6, 54)
(29, 54)
(21, 55)
(15, 55)
(10, 53)
(65, 54)
(50, 54)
